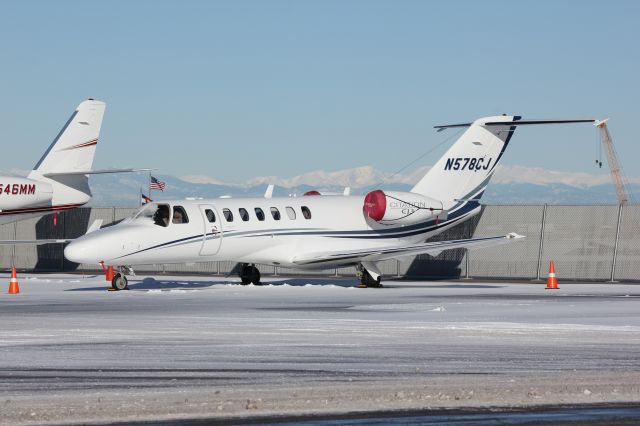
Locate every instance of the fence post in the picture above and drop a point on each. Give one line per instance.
(615, 247)
(63, 216)
(466, 265)
(544, 222)
(15, 237)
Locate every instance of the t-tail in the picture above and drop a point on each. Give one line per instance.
(460, 177)
(71, 154)
(462, 174)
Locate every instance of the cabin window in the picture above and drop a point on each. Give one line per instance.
(275, 213)
(306, 212)
(161, 215)
(228, 216)
(211, 216)
(291, 213)
(244, 214)
(259, 213)
(179, 215)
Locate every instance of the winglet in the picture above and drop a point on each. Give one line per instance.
(269, 192)
(94, 226)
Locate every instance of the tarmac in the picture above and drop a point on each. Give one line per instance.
(299, 350)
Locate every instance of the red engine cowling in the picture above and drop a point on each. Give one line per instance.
(401, 208)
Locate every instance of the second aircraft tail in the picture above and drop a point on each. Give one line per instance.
(71, 153)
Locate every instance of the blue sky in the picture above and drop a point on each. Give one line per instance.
(240, 89)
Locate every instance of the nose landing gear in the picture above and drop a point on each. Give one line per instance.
(249, 274)
(119, 282)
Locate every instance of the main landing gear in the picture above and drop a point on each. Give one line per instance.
(369, 275)
(249, 274)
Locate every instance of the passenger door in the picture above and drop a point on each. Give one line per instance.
(212, 235)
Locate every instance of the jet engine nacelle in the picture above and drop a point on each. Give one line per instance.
(18, 192)
(401, 208)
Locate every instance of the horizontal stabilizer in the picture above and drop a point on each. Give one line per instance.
(96, 172)
(393, 252)
(516, 123)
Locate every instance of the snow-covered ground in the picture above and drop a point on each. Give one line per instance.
(184, 347)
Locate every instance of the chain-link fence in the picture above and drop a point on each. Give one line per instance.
(600, 243)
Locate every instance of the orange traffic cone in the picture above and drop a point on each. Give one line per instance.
(109, 274)
(552, 281)
(14, 288)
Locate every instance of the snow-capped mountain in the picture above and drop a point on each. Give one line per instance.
(511, 184)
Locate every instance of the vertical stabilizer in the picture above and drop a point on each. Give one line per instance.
(72, 151)
(75, 146)
(465, 170)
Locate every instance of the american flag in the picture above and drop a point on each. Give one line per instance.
(157, 184)
(144, 199)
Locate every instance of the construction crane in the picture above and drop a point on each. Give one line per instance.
(619, 179)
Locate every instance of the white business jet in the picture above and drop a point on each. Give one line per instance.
(59, 181)
(315, 231)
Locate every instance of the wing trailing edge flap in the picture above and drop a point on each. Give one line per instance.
(393, 252)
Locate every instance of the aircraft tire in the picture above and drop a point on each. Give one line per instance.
(245, 274)
(120, 282)
(255, 276)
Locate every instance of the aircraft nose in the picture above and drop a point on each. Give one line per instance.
(80, 252)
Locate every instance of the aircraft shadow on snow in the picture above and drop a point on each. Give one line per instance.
(150, 283)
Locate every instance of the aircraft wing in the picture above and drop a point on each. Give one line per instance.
(392, 252)
(36, 242)
(94, 226)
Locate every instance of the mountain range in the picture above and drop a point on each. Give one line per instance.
(510, 185)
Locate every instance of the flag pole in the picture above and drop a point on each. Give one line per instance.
(149, 183)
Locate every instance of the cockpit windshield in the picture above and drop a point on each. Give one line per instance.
(157, 213)
(145, 211)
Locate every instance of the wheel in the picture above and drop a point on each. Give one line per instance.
(255, 276)
(120, 282)
(249, 274)
(245, 274)
(368, 281)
